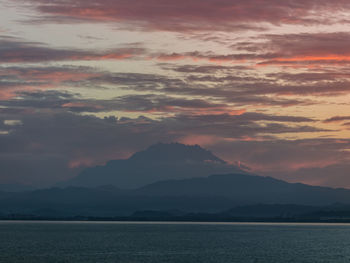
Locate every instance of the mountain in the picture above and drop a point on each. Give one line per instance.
(15, 187)
(253, 213)
(271, 210)
(211, 194)
(175, 153)
(102, 202)
(4, 195)
(158, 162)
(248, 189)
(248, 212)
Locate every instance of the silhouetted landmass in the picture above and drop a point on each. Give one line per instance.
(15, 188)
(255, 213)
(4, 195)
(175, 153)
(175, 184)
(73, 201)
(197, 195)
(271, 210)
(248, 189)
(158, 162)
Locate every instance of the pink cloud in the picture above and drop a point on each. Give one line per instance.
(193, 14)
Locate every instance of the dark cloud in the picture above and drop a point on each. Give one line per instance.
(316, 76)
(311, 44)
(36, 100)
(337, 119)
(231, 89)
(235, 90)
(14, 50)
(18, 79)
(54, 99)
(309, 160)
(191, 15)
(228, 81)
(335, 175)
(66, 141)
(206, 69)
(47, 141)
(305, 50)
(244, 126)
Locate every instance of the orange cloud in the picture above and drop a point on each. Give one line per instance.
(203, 140)
(81, 105)
(81, 162)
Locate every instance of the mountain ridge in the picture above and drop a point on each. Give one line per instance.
(210, 194)
(176, 152)
(158, 162)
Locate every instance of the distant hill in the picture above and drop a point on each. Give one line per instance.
(158, 162)
(102, 202)
(4, 195)
(253, 213)
(196, 195)
(15, 187)
(248, 189)
(271, 210)
(248, 212)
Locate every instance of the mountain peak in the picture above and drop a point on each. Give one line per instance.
(158, 162)
(176, 152)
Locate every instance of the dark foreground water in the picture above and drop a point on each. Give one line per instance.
(126, 242)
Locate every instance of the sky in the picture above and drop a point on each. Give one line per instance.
(261, 83)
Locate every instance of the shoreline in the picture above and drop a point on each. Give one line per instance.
(179, 222)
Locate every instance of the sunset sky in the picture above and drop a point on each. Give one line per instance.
(261, 83)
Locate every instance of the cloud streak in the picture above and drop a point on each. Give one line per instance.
(14, 50)
(193, 15)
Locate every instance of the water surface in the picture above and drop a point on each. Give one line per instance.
(172, 242)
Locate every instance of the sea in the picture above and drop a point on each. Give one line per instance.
(157, 242)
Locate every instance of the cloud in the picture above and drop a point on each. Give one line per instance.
(337, 119)
(48, 74)
(239, 90)
(48, 145)
(193, 15)
(13, 50)
(302, 50)
(239, 127)
(14, 80)
(232, 99)
(298, 50)
(309, 49)
(329, 76)
(231, 89)
(309, 161)
(332, 175)
(202, 69)
(275, 50)
(147, 103)
(49, 131)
